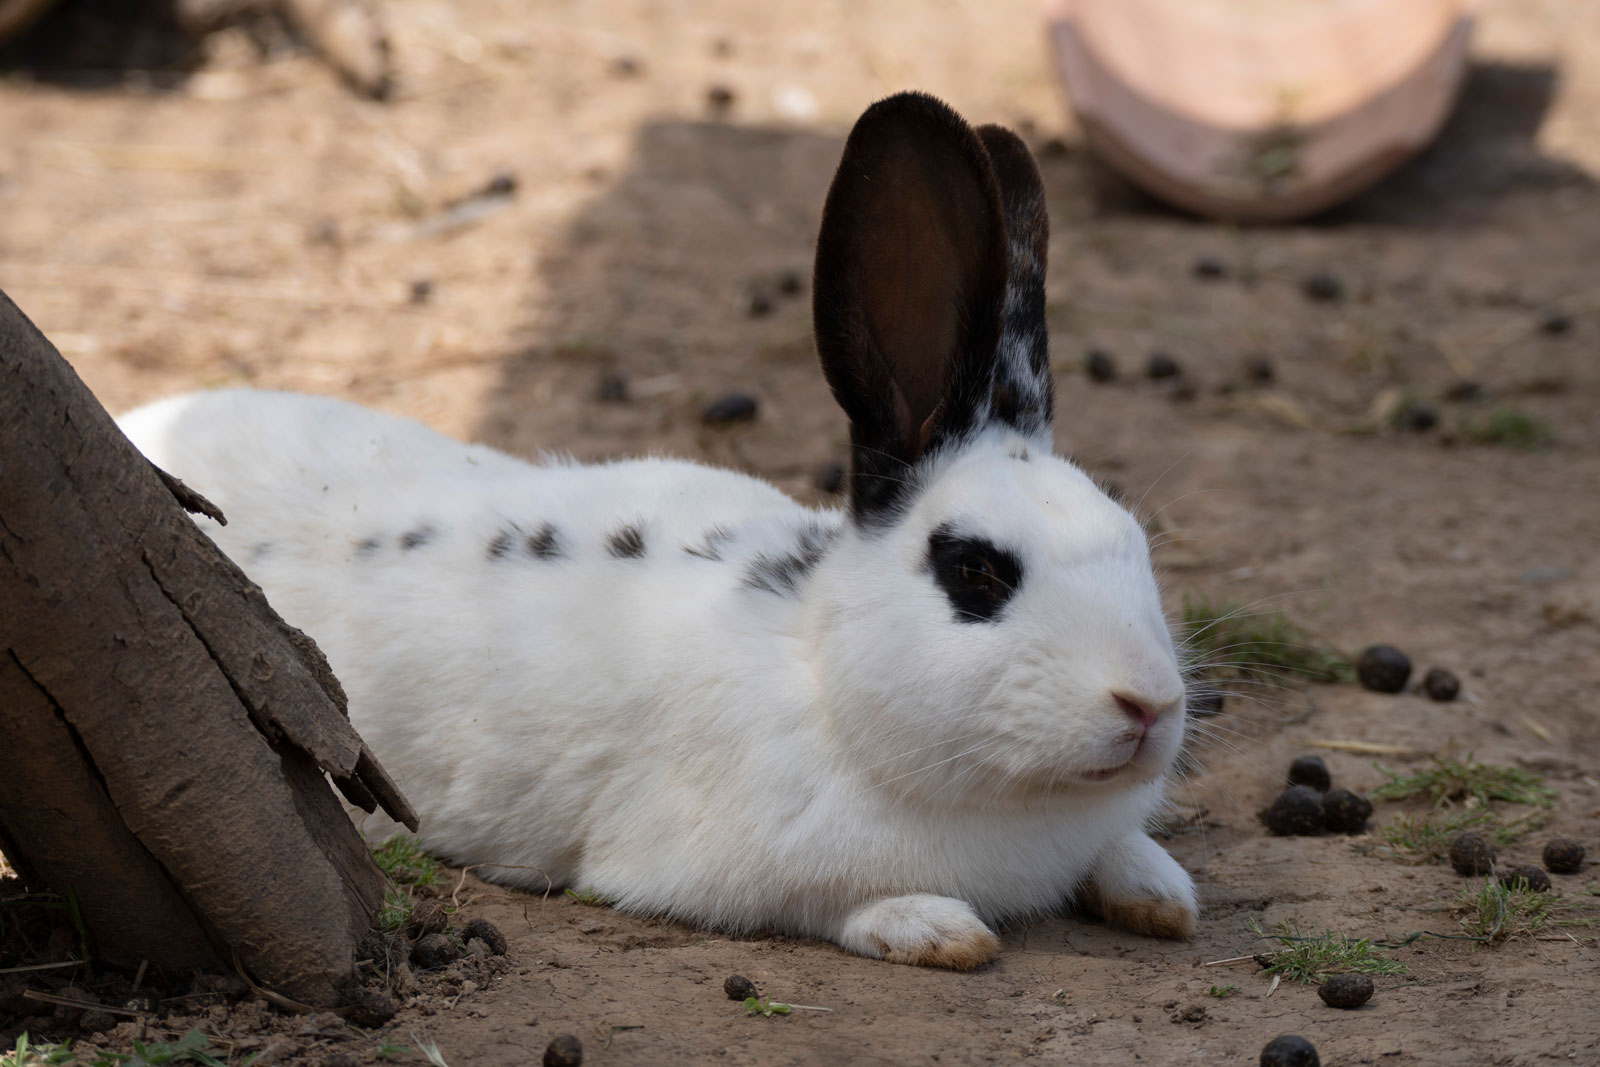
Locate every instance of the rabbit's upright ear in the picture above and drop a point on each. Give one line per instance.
(910, 290)
(1022, 385)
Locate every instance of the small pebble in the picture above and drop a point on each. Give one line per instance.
(722, 48)
(1206, 704)
(488, 932)
(434, 950)
(626, 67)
(1297, 812)
(1344, 812)
(1099, 365)
(502, 184)
(1441, 685)
(371, 1009)
(729, 409)
(791, 282)
(1161, 366)
(1416, 418)
(1465, 390)
(1054, 148)
(1290, 1050)
(1563, 855)
(1260, 370)
(1471, 855)
(829, 477)
(760, 304)
(564, 1051)
(1209, 267)
(1311, 771)
(1555, 323)
(1383, 669)
(421, 289)
(720, 98)
(1323, 286)
(738, 987)
(1345, 990)
(1538, 881)
(613, 388)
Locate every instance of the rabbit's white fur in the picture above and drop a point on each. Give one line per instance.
(750, 715)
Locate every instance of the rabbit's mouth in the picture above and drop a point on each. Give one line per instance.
(1107, 774)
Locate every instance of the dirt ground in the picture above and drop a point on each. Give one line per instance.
(249, 221)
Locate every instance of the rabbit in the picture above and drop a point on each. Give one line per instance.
(951, 702)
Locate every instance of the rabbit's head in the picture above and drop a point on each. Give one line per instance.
(987, 628)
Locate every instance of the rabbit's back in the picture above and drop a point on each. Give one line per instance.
(503, 629)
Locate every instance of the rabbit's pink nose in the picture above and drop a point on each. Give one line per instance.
(1137, 711)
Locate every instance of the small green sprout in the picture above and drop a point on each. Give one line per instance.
(762, 1006)
(1311, 958)
(1448, 781)
(1509, 427)
(589, 897)
(1222, 992)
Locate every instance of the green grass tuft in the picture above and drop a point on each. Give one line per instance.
(1226, 642)
(1495, 912)
(1426, 838)
(1507, 427)
(404, 866)
(1222, 992)
(192, 1047)
(1311, 958)
(589, 897)
(27, 1054)
(1448, 781)
(402, 860)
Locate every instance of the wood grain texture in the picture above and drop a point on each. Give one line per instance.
(149, 686)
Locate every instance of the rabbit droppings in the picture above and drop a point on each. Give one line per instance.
(955, 701)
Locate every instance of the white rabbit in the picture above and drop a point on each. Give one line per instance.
(954, 702)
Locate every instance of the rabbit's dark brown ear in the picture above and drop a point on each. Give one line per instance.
(1023, 389)
(909, 290)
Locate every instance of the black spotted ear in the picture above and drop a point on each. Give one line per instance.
(909, 290)
(1023, 389)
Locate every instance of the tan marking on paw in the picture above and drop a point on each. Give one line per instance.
(958, 954)
(1148, 916)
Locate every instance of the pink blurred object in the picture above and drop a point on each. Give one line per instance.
(1259, 110)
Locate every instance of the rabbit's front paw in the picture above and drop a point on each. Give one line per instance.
(923, 930)
(1137, 886)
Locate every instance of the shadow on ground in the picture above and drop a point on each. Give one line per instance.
(689, 273)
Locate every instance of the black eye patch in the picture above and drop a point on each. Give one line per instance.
(977, 575)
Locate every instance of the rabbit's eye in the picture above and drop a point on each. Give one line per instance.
(978, 572)
(977, 576)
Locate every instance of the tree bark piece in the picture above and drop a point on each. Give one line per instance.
(166, 732)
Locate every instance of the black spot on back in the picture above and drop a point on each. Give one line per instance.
(367, 546)
(710, 546)
(418, 537)
(784, 574)
(500, 545)
(544, 544)
(626, 543)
